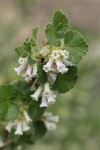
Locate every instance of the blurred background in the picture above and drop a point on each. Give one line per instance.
(79, 109)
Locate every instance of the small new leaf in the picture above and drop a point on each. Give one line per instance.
(27, 46)
(34, 37)
(34, 33)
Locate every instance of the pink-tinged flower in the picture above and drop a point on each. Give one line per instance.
(52, 77)
(48, 66)
(27, 70)
(21, 68)
(28, 73)
(57, 62)
(61, 67)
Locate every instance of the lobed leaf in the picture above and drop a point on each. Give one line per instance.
(56, 29)
(76, 45)
(8, 110)
(66, 81)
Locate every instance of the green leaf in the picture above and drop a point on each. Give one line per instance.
(34, 33)
(20, 50)
(34, 37)
(12, 112)
(27, 46)
(66, 81)
(8, 110)
(39, 130)
(42, 76)
(31, 61)
(50, 35)
(35, 110)
(26, 138)
(56, 29)
(76, 45)
(60, 23)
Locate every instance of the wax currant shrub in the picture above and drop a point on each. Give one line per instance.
(47, 68)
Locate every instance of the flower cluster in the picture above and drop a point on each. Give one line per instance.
(27, 70)
(58, 62)
(47, 68)
(21, 124)
(48, 96)
(55, 61)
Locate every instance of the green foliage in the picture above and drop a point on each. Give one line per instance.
(42, 76)
(39, 130)
(34, 37)
(8, 109)
(35, 110)
(66, 81)
(28, 46)
(31, 61)
(16, 101)
(76, 45)
(56, 29)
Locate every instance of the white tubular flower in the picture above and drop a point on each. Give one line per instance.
(50, 120)
(66, 62)
(22, 60)
(61, 67)
(36, 95)
(34, 73)
(1, 142)
(47, 67)
(9, 126)
(21, 124)
(21, 68)
(46, 88)
(52, 77)
(25, 126)
(44, 102)
(28, 74)
(51, 99)
(50, 125)
(19, 128)
(64, 53)
(27, 78)
(48, 97)
(27, 118)
(55, 54)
